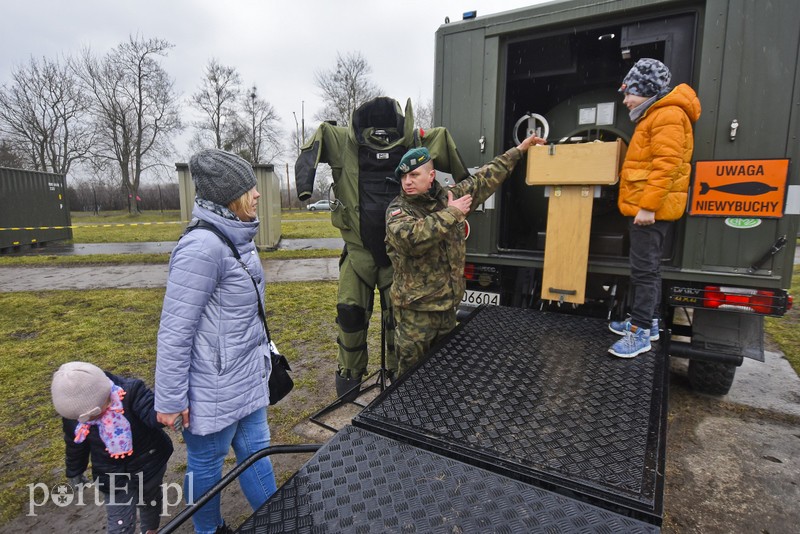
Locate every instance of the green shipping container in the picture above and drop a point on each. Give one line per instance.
(33, 208)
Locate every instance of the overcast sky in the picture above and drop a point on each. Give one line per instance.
(277, 45)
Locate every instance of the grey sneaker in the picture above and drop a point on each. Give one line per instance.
(634, 342)
(620, 327)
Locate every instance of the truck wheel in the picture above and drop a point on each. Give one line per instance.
(712, 378)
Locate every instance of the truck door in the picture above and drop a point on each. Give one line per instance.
(749, 63)
(465, 101)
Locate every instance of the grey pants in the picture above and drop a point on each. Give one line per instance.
(122, 511)
(647, 246)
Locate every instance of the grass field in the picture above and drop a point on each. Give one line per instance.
(785, 331)
(116, 330)
(121, 227)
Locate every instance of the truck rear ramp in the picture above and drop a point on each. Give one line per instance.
(519, 421)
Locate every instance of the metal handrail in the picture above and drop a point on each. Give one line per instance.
(190, 510)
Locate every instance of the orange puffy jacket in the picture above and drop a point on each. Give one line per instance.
(655, 174)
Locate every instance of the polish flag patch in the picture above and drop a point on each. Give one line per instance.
(395, 213)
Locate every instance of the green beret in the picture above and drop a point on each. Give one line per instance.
(412, 159)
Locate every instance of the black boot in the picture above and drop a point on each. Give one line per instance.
(347, 388)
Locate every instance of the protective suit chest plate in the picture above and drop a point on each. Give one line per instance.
(377, 187)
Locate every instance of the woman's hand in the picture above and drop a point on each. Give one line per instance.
(168, 419)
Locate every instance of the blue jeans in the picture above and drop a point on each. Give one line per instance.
(205, 456)
(647, 247)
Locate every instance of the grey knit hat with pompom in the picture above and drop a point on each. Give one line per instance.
(220, 176)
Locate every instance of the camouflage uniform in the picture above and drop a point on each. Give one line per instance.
(426, 243)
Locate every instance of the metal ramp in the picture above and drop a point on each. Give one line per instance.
(362, 482)
(535, 396)
(519, 421)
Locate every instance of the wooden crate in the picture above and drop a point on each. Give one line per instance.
(596, 163)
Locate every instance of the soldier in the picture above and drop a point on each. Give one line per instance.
(426, 243)
(363, 157)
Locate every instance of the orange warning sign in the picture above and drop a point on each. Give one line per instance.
(754, 188)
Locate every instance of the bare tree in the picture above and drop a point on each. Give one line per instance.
(423, 113)
(9, 156)
(44, 115)
(258, 133)
(217, 98)
(345, 88)
(134, 106)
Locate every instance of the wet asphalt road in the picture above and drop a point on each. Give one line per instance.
(133, 276)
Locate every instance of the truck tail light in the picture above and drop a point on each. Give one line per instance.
(746, 300)
(485, 275)
(469, 271)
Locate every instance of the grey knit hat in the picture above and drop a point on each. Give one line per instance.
(220, 176)
(80, 390)
(648, 77)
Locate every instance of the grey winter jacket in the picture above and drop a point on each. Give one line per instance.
(212, 347)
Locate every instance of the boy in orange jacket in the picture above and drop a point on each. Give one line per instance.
(653, 188)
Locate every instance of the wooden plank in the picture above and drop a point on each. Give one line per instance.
(566, 251)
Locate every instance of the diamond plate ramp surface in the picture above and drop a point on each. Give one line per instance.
(536, 396)
(362, 482)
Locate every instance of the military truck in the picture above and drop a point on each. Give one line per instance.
(555, 68)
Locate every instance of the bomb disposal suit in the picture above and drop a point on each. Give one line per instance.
(362, 158)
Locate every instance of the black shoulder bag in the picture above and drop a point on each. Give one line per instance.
(280, 382)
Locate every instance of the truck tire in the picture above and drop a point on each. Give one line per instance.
(712, 378)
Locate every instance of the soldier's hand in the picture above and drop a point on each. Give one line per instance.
(532, 140)
(462, 204)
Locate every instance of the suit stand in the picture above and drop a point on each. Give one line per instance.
(381, 376)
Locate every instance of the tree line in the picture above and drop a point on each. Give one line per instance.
(115, 115)
(100, 197)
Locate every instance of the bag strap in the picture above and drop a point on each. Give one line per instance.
(199, 223)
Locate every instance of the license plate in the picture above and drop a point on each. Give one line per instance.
(476, 298)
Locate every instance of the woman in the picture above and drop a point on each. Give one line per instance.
(212, 362)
